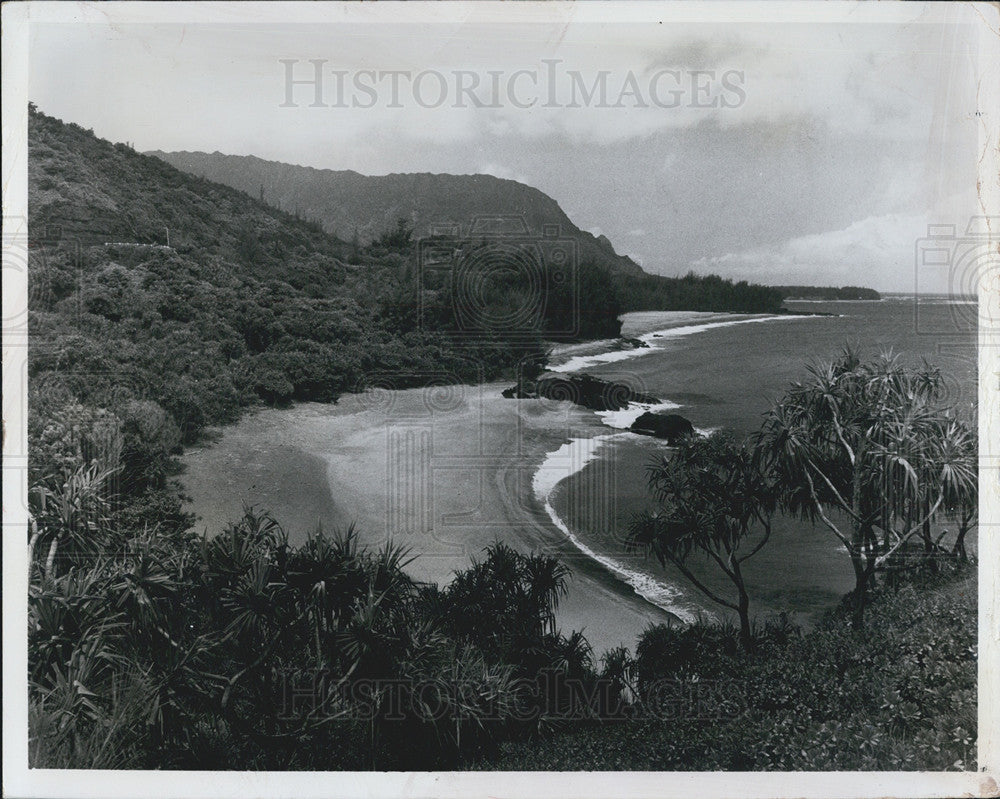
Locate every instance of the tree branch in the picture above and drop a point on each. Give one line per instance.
(819, 510)
(699, 585)
(881, 559)
(756, 549)
(843, 502)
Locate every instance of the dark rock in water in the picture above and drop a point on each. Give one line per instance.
(633, 344)
(590, 392)
(671, 426)
(526, 389)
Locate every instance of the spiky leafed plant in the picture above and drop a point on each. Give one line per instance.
(618, 671)
(867, 449)
(715, 499)
(69, 516)
(962, 487)
(327, 577)
(232, 553)
(546, 579)
(68, 613)
(506, 603)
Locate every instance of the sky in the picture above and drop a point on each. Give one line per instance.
(777, 152)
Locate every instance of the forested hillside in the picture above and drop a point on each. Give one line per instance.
(246, 302)
(355, 205)
(346, 201)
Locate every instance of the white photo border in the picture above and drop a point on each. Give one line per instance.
(20, 781)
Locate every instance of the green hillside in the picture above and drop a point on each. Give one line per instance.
(246, 303)
(345, 201)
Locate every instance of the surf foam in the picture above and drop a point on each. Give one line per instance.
(578, 362)
(566, 461)
(623, 419)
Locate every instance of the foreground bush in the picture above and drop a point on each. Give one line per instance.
(151, 649)
(902, 696)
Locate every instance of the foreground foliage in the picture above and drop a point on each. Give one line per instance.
(875, 442)
(715, 500)
(151, 650)
(901, 696)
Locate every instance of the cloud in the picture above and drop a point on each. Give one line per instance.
(844, 123)
(501, 171)
(878, 252)
(883, 81)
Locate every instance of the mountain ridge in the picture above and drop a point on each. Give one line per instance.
(343, 201)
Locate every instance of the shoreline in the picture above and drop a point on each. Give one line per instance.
(447, 474)
(581, 356)
(475, 459)
(546, 485)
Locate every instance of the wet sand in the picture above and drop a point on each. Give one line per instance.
(443, 471)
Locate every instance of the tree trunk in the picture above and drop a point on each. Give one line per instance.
(958, 551)
(743, 608)
(925, 533)
(31, 546)
(862, 532)
(746, 634)
(860, 594)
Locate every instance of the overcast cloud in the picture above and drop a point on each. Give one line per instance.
(827, 152)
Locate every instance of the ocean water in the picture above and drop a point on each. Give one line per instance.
(725, 376)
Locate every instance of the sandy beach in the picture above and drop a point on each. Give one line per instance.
(444, 471)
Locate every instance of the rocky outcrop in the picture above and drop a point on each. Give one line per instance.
(585, 390)
(670, 426)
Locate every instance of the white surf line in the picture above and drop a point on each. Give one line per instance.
(583, 361)
(568, 460)
(622, 419)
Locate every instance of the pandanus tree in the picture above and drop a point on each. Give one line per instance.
(69, 515)
(714, 500)
(868, 449)
(507, 601)
(962, 497)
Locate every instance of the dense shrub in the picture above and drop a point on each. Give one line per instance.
(900, 696)
(151, 649)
